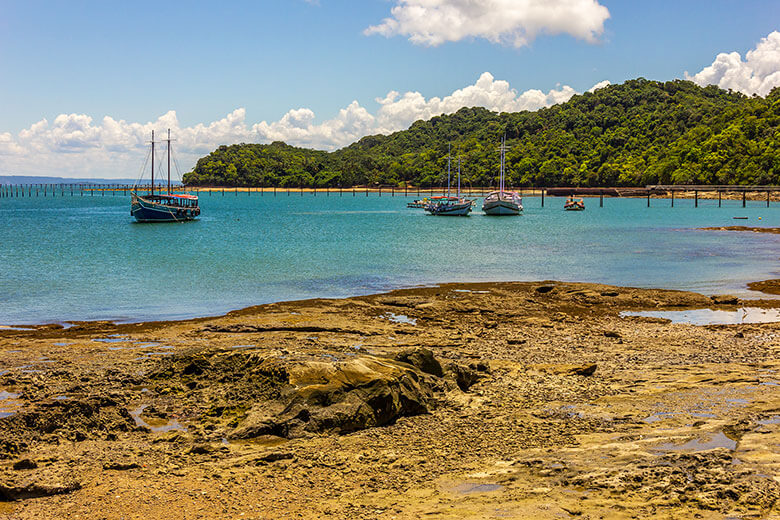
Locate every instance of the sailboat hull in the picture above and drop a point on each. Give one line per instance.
(150, 211)
(461, 209)
(501, 208)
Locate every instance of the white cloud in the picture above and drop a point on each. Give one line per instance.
(510, 22)
(600, 84)
(74, 145)
(399, 111)
(758, 74)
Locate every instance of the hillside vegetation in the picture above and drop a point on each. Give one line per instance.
(637, 133)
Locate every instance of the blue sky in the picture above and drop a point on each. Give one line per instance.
(135, 62)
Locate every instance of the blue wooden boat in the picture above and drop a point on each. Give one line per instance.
(163, 207)
(448, 206)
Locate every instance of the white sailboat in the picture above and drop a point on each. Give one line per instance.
(502, 202)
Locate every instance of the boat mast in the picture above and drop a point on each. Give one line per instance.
(169, 161)
(152, 162)
(503, 151)
(459, 177)
(449, 149)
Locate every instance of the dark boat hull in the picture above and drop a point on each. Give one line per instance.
(150, 211)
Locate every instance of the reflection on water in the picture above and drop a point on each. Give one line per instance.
(708, 442)
(401, 318)
(153, 423)
(713, 317)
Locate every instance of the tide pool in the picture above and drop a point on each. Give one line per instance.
(84, 257)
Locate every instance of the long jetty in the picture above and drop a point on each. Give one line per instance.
(650, 191)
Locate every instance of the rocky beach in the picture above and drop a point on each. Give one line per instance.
(510, 400)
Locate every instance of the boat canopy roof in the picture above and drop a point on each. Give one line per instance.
(180, 196)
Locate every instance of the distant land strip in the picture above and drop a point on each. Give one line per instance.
(773, 230)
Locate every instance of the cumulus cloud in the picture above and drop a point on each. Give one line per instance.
(600, 84)
(510, 22)
(758, 74)
(75, 145)
(399, 111)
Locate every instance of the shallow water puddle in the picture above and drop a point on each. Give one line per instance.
(154, 424)
(113, 338)
(775, 419)
(400, 318)
(8, 395)
(8, 403)
(712, 317)
(708, 442)
(471, 488)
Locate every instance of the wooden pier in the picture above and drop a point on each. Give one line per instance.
(657, 191)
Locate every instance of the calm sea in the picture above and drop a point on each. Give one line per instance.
(84, 258)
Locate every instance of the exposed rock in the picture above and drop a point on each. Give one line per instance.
(120, 466)
(566, 369)
(25, 464)
(724, 299)
(200, 449)
(465, 377)
(274, 456)
(77, 418)
(35, 490)
(241, 328)
(422, 359)
(766, 286)
(343, 397)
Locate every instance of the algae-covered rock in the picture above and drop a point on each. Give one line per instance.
(342, 397)
(422, 359)
(566, 369)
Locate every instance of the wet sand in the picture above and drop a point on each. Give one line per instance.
(510, 400)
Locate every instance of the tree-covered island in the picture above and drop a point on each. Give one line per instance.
(637, 133)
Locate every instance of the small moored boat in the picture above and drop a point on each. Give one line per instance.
(502, 202)
(574, 204)
(450, 206)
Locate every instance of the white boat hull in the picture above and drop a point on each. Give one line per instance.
(501, 208)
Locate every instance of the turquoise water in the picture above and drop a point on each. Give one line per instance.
(84, 258)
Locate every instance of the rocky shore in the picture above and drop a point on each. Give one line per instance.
(510, 400)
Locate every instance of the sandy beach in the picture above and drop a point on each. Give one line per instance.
(511, 400)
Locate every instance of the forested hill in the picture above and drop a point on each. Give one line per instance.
(641, 132)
